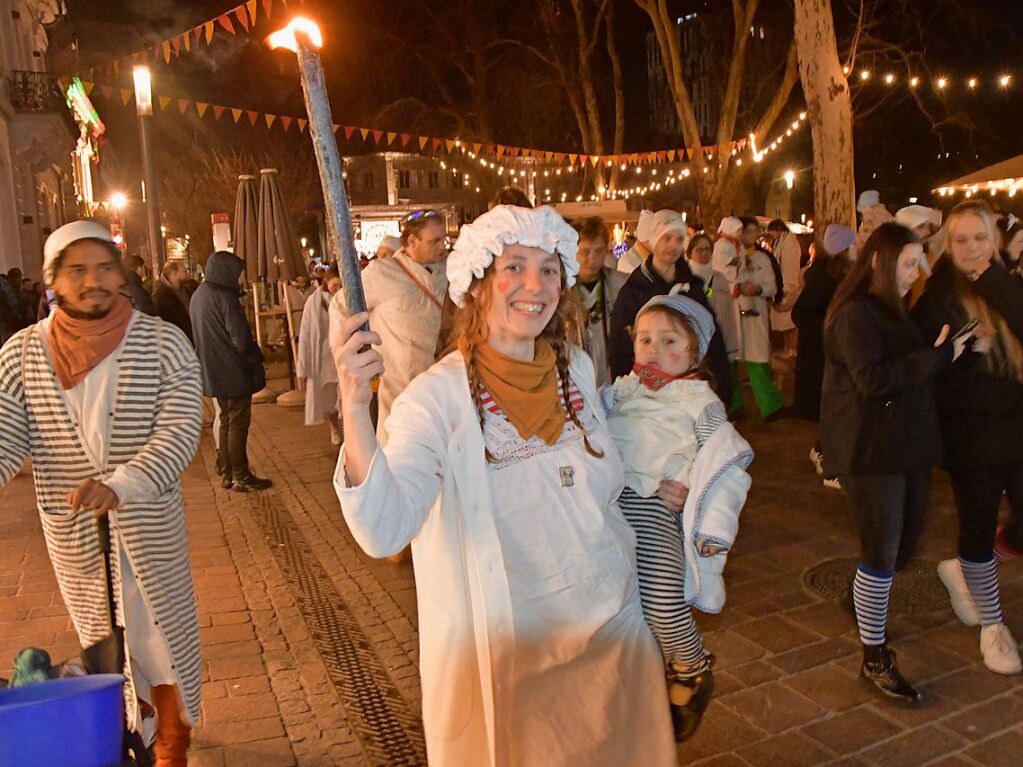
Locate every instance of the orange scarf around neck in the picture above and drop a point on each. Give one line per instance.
(526, 392)
(78, 345)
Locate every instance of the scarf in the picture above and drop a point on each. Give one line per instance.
(526, 392)
(79, 345)
(655, 379)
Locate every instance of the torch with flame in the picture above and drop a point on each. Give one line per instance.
(303, 37)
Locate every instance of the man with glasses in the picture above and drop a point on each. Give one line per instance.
(404, 296)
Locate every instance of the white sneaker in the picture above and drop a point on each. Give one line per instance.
(817, 461)
(832, 483)
(951, 574)
(1001, 653)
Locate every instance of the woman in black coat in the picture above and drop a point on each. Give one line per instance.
(980, 401)
(663, 272)
(879, 427)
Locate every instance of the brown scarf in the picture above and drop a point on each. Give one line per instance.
(79, 345)
(526, 392)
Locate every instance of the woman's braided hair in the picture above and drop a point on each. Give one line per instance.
(471, 331)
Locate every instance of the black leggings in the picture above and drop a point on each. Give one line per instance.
(978, 494)
(889, 511)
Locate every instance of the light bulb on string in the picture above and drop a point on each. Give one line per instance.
(942, 82)
(889, 78)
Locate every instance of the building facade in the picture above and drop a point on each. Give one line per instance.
(37, 137)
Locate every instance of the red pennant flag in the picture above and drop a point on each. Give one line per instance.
(183, 105)
(559, 157)
(267, 6)
(405, 138)
(176, 45)
(436, 143)
(349, 130)
(253, 116)
(225, 22)
(217, 112)
(242, 16)
(107, 91)
(285, 122)
(197, 32)
(377, 135)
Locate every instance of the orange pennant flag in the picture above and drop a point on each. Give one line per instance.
(183, 105)
(334, 127)
(269, 119)
(208, 29)
(251, 8)
(166, 51)
(200, 107)
(450, 145)
(164, 102)
(391, 137)
(422, 141)
(301, 124)
(236, 114)
(500, 150)
(364, 132)
(253, 116)
(671, 155)
(571, 159)
(187, 40)
(126, 94)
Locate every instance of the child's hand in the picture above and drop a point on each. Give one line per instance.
(673, 494)
(707, 550)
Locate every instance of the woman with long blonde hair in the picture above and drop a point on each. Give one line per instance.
(500, 471)
(980, 402)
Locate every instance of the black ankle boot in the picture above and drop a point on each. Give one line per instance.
(698, 687)
(879, 669)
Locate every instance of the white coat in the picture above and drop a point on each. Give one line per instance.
(754, 319)
(315, 363)
(789, 253)
(407, 320)
(719, 296)
(432, 487)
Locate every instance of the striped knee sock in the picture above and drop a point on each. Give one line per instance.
(871, 589)
(982, 581)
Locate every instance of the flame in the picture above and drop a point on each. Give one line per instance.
(285, 38)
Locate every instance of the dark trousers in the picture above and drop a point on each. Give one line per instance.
(889, 511)
(978, 494)
(235, 417)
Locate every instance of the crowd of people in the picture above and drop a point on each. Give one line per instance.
(549, 430)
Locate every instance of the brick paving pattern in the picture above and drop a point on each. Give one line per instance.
(787, 690)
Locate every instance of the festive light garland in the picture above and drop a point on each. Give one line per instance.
(942, 84)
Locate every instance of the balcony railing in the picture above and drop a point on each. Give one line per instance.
(34, 92)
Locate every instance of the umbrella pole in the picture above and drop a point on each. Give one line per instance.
(257, 315)
(296, 397)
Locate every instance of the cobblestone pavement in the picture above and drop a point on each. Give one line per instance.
(309, 647)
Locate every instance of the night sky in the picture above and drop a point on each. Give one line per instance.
(370, 60)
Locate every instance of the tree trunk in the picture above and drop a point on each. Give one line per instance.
(829, 110)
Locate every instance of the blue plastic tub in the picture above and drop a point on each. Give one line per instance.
(76, 722)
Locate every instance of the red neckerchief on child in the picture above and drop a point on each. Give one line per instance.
(652, 377)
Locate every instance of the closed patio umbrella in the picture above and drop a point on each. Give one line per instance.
(246, 208)
(275, 240)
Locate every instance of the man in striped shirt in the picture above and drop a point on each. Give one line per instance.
(107, 403)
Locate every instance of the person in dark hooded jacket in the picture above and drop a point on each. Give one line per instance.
(231, 362)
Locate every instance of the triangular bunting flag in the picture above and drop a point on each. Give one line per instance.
(208, 29)
(364, 132)
(107, 91)
(301, 124)
(253, 116)
(267, 7)
(187, 40)
(225, 21)
(450, 145)
(251, 8)
(334, 127)
(166, 51)
(405, 138)
(183, 105)
(594, 159)
(126, 96)
(422, 141)
(671, 155)
(197, 32)
(164, 102)
(176, 45)
(436, 143)
(237, 115)
(377, 135)
(217, 112)
(285, 122)
(391, 137)
(571, 159)
(559, 157)
(548, 156)
(349, 130)
(475, 148)
(269, 120)
(201, 107)
(243, 17)
(500, 150)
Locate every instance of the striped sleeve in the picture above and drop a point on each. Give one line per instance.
(177, 423)
(14, 445)
(709, 420)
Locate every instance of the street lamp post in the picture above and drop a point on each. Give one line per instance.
(144, 109)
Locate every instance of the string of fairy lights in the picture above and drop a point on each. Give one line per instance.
(942, 83)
